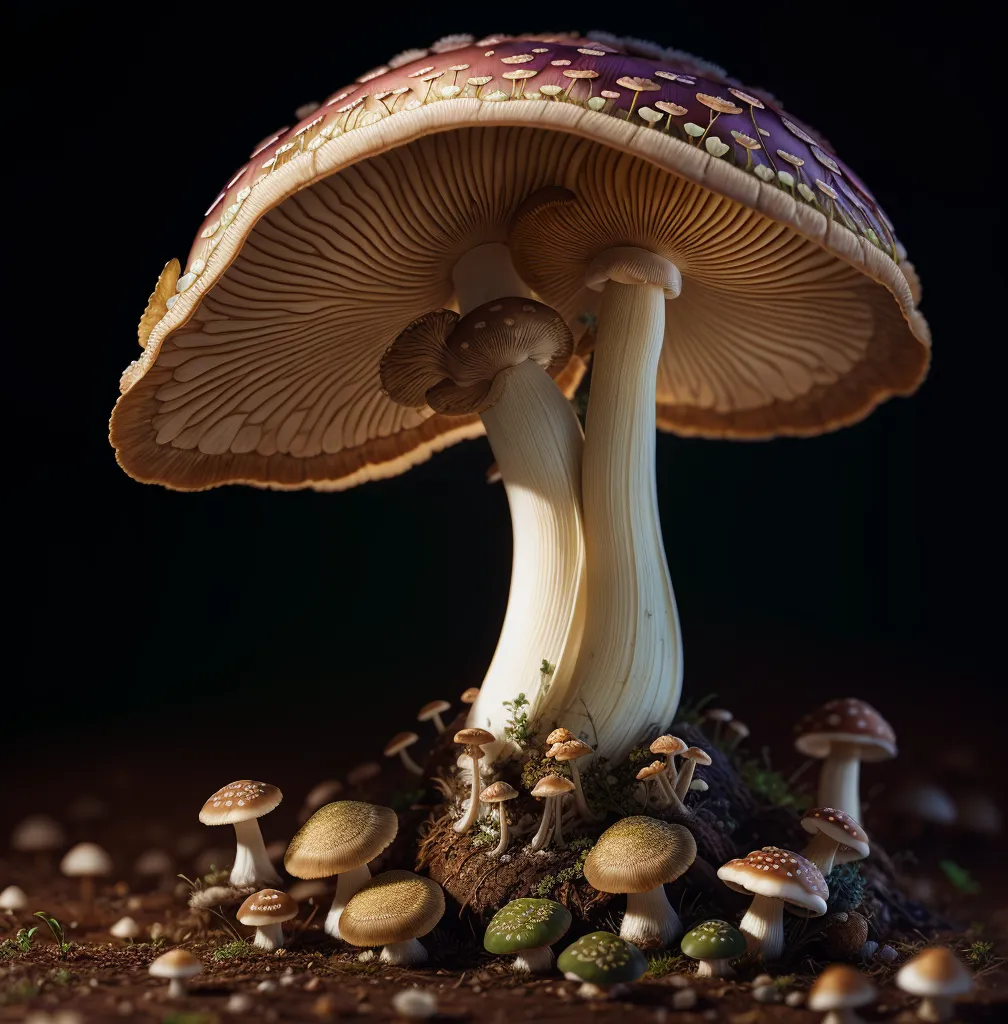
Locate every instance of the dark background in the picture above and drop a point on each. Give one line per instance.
(158, 630)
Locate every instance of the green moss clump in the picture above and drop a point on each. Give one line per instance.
(667, 962)
(230, 951)
(547, 885)
(769, 786)
(846, 888)
(537, 765)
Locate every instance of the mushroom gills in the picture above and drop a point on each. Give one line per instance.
(347, 884)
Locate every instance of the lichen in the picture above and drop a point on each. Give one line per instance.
(846, 888)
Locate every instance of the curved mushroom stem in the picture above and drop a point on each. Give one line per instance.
(471, 815)
(438, 722)
(840, 779)
(252, 866)
(579, 798)
(541, 839)
(822, 851)
(935, 1008)
(685, 779)
(269, 937)
(629, 670)
(504, 837)
(409, 764)
(404, 953)
(177, 989)
(649, 921)
(534, 961)
(763, 927)
(558, 840)
(715, 969)
(346, 885)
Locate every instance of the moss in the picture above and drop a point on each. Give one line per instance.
(982, 955)
(546, 886)
(666, 962)
(231, 951)
(769, 786)
(486, 834)
(537, 765)
(846, 888)
(612, 787)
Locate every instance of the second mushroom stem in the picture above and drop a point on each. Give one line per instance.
(347, 884)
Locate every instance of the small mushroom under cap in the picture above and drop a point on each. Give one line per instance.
(527, 928)
(838, 991)
(469, 695)
(86, 861)
(241, 804)
(692, 756)
(836, 838)
(266, 911)
(499, 793)
(398, 745)
(178, 966)
(569, 751)
(938, 976)
(394, 910)
(551, 789)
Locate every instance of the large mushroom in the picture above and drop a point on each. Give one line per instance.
(242, 804)
(339, 839)
(843, 733)
(774, 877)
(498, 361)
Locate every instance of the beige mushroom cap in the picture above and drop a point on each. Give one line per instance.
(269, 906)
(552, 785)
(85, 860)
(840, 987)
(400, 741)
(569, 750)
(935, 972)
(698, 755)
(240, 801)
(498, 792)
(649, 770)
(468, 696)
(839, 826)
(639, 853)
(849, 720)
(780, 874)
(669, 745)
(395, 906)
(559, 735)
(363, 772)
(474, 737)
(37, 834)
(176, 963)
(338, 837)
(432, 708)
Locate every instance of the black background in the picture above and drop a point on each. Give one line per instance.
(868, 561)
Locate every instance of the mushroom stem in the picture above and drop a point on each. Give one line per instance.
(404, 954)
(579, 798)
(534, 961)
(269, 936)
(558, 840)
(629, 670)
(468, 819)
(252, 866)
(87, 891)
(485, 273)
(935, 1008)
(504, 837)
(438, 722)
(177, 989)
(346, 885)
(541, 838)
(843, 1016)
(650, 921)
(840, 779)
(821, 850)
(715, 969)
(684, 779)
(763, 927)
(409, 764)
(536, 440)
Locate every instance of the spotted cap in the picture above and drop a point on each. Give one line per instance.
(240, 801)
(840, 827)
(526, 924)
(395, 906)
(713, 940)
(639, 853)
(780, 874)
(602, 958)
(270, 906)
(338, 837)
(846, 721)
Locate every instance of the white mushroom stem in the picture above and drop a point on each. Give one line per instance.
(822, 851)
(579, 798)
(504, 837)
(269, 937)
(649, 920)
(541, 838)
(684, 779)
(628, 677)
(534, 961)
(177, 988)
(840, 779)
(842, 1016)
(763, 927)
(408, 763)
(252, 866)
(346, 885)
(935, 1008)
(537, 441)
(715, 969)
(438, 723)
(471, 815)
(404, 953)
(558, 840)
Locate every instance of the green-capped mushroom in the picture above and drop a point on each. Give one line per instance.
(528, 928)
(714, 944)
(602, 961)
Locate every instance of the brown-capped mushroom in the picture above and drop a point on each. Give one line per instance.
(242, 804)
(473, 740)
(654, 792)
(569, 751)
(691, 756)
(500, 793)
(178, 966)
(86, 861)
(398, 745)
(551, 789)
(838, 992)
(266, 911)
(669, 747)
(469, 695)
(937, 975)
(432, 712)
(836, 837)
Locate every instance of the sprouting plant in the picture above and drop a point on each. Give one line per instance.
(546, 670)
(960, 878)
(57, 930)
(981, 955)
(517, 728)
(24, 937)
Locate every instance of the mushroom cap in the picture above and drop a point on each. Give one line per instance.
(552, 785)
(498, 792)
(713, 940)
(780, 874)
(926, 801)
(718, 715)
(668, 745)
(321, 793)
(569, 750)
(639, 853)
(559, 735)
(469, 695)
(526, 924)
(846, 721)
(176, 963)
(400, 741)
(654, 768)
(432, 708)
(936, 971)
(260, 361)
(240, 801)
(603, 959)
(339, 837)
(13, 898)
(125, 928)
(363, 772)
(696, 754)
(395, 906)
(474, 737)
(457, 365)
(85, 860)
(37, 834)
(840, 987)
(839, 826)
(153, 862)
(268, 906)
(739, 728)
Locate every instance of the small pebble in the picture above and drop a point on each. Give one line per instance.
(888, 954)
(684, 999)
(561, 992)
(93, 982)
(238, 1003)
(324, 1007)
(869, 949)
(766, 994)
(795, 998)
(762, 979)
(286, 980)
(367, 956)
(477, 989)
(125, 1009)
(678, 980)
(313, 985)
(266, 986)
(413, 1004)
